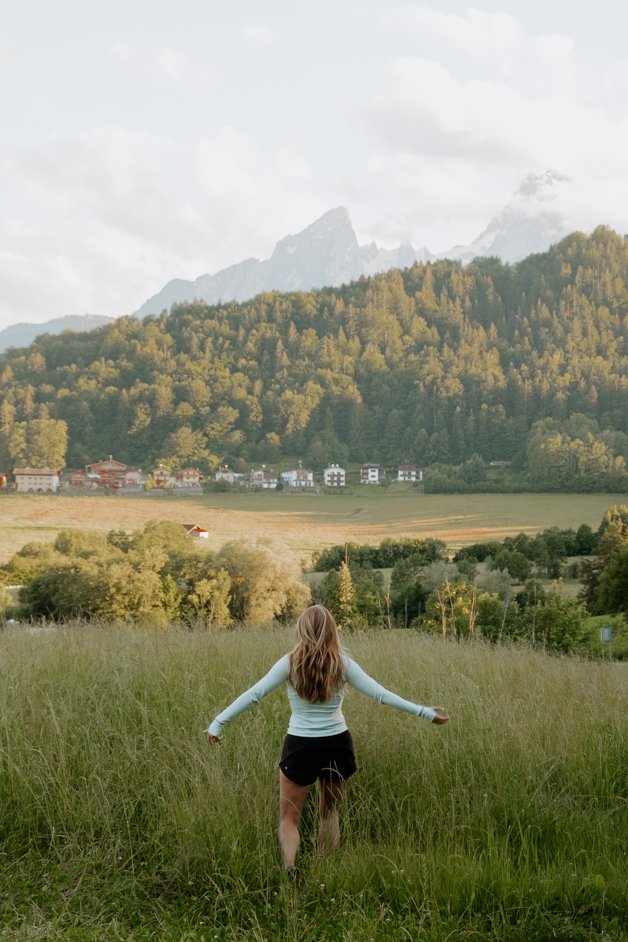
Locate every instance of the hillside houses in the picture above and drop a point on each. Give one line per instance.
(187, 478)
(81, 478)
(224, 473)
(163, 477)
(334, 476)
(106, 474)
(372, 474)
(37, 479)
(264, 478)
(110, 473)
(115, 474)
(409, 472)
(298, 477)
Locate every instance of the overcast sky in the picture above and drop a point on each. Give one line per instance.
(143, 140)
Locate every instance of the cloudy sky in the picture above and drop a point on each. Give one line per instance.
(143, 140)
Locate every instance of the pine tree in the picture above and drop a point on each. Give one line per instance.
(345, 606)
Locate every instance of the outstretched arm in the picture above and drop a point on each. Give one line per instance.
(276, 676)
(370, 687)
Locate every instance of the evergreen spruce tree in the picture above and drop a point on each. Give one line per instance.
(345, 606)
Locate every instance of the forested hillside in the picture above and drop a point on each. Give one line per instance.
(436, 364)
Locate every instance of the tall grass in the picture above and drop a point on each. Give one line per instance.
(118, 821)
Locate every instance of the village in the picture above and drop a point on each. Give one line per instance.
(111, 474)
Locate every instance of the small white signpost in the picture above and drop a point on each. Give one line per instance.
(606, 638)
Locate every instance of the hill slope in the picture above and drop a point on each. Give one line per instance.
(436, 363)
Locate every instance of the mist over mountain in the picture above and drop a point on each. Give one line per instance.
(530, 222)
(327, 253)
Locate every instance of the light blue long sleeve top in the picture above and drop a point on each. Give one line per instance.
(316, 719)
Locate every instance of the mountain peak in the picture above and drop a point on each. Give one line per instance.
(333, 227)
(327, 254)
(530, 222)
(541, 183)
(338, 216)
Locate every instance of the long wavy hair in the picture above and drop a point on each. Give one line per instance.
(316, 669)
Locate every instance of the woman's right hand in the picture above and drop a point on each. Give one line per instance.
(441, 717)
(213, 739)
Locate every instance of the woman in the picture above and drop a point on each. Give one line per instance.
(318, 745)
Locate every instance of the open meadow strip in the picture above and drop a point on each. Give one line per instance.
(304, 523)
(118, 822)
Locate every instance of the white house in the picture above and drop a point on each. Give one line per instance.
(231, 477)
(409, 472)
(263, 478)
(371, 474)
(224, 473)
(164, 477)
(134, 478)
(334, 476)
(189, 477)
(37, 479)
(298, 477)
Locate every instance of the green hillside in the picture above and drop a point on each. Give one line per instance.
(438, 364)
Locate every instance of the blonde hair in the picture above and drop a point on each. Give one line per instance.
(316, 668)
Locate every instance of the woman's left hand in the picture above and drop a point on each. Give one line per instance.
(213, 739)
(441, 717)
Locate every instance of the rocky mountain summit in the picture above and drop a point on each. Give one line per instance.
(327, 252)
(530, 222)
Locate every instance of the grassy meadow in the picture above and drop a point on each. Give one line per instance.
(305, 522)
(119, 822)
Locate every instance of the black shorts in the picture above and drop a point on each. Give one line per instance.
(307, 758)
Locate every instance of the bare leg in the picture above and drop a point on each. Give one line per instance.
(331, 794)
(291, 800)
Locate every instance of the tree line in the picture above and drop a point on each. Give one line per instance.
(155, 575)
(158, 576)
(447, 366)
(506, 599)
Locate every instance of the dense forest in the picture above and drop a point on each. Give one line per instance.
(441, 364)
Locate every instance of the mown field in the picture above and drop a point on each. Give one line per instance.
(119, 822)
(303, 522)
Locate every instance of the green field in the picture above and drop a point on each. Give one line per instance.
(119, 822)
(306, 522)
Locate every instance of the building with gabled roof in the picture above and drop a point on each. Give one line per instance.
(37, 479)
(195, 531)
(298, 477)
(108, 473)
(409, 472)
(189, 477)
(263, 478)
(371, 474)
(334, 476)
